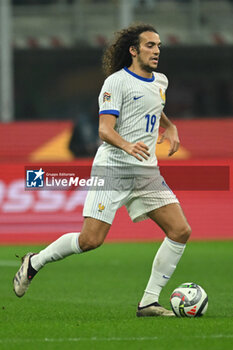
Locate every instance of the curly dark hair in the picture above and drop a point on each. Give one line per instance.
(117, 55)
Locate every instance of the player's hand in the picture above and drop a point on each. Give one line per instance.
(138, 150)
(171, 134)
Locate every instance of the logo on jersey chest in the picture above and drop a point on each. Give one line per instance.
(137, 97)
(163, 96)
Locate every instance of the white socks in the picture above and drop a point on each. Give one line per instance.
(164, 265)
(59, 249)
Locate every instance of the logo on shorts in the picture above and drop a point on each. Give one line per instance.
(164, 184)
(35, 178)
(101, 207)
(107, 97)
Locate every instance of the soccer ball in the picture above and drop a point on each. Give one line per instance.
(189, 300)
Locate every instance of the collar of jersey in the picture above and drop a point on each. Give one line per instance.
(138, 76)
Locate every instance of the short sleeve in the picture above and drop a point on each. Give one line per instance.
(162, 80)
(110, 98)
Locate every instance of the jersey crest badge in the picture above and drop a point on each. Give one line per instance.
(107, 97)
(163, 96)
(101, 207)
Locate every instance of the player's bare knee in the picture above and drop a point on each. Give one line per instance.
(185, 233)
(89, 243)
(180, 234)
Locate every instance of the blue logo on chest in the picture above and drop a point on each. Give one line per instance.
(136, 98)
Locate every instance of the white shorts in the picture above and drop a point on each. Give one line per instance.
(139, 195)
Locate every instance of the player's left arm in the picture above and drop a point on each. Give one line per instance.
(170, 133)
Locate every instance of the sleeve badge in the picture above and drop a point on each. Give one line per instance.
(106, 97)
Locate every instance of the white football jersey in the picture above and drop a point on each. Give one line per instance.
(137, 103)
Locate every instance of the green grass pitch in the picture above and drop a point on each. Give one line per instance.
(89, 301)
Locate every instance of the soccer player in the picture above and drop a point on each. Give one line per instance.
(131, 106)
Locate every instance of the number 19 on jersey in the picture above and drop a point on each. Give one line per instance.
(150, 122)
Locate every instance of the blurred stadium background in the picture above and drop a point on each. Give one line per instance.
(50, 78)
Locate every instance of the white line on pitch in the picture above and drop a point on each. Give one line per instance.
(60, 340)
(96, 339)
(9, 263)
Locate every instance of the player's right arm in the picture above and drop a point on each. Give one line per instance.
(108, 134)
